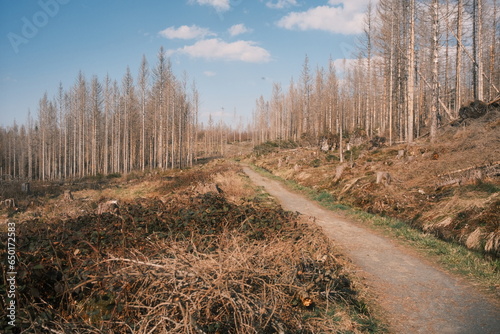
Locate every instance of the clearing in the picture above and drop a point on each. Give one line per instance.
(194, 251)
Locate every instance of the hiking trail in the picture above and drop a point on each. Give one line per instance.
(415, 295)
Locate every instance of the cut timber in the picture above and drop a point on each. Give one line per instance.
(494, 166)
(496, 100)
(305, 298)
(451, 182)
(350, 184)
(469, 174)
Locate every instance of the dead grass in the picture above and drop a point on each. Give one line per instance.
(429, 183)
(177, 260)
(234, 185)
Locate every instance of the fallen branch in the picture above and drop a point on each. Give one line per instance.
(494, 164)
(149, 264)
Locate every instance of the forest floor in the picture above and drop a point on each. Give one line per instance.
(195, 251)
(414, 295)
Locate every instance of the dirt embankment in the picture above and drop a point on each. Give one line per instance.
(449, 188)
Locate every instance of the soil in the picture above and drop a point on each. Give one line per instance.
(415, 296)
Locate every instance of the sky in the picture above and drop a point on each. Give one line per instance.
(233, 49)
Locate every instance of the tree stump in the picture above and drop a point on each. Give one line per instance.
(338, 172)
(401, 154)
(68, 196)
(9, 203)
(325, 146)
(26, 187)
(108, 207)
(384, 177)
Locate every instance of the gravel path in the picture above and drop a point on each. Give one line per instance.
(415, 296)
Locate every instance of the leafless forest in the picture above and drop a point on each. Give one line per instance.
(415, 65)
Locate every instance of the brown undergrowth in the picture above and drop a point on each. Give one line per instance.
(449, 188)
(185, 259)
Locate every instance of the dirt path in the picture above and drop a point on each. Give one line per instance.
(415, 296)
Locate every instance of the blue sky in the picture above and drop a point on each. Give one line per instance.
(233, 49)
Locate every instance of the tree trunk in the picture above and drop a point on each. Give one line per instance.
(435, 78)
(458, 64)
(411, 72)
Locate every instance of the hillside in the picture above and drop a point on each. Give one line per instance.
(449, 188)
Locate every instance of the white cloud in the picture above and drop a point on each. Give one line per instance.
(353, 5)
(280, 4)
(219, 5)
(238, 29)
(186, 32)
(340, 16)
(209, 74)
(216, 49)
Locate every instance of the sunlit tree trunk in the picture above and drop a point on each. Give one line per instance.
(435, 78)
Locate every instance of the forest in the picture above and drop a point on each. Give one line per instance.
(353, 199)
(414, 66)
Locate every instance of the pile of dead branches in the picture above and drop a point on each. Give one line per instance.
(183, 264)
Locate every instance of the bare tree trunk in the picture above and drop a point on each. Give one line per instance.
(143, 85)
(458, 64)
(391, 87)
(411, 72)
(435, 82)
(477, 50)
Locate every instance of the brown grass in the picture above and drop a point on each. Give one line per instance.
(452, 178)
(183, 262)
